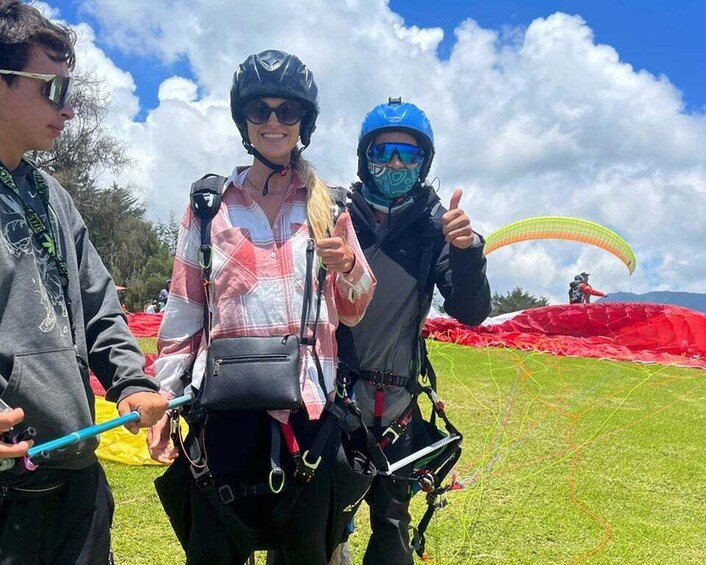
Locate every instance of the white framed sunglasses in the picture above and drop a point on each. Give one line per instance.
(59, 87)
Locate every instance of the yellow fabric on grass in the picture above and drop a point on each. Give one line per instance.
(119, 444)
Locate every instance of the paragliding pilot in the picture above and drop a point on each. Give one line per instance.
(580, 291)
(412, 242)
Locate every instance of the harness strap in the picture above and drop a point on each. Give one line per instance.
(276, 479)
(436, 498)
(227, 493)
(205, 197)
(374, 451)
(378, 410)
(397, 428)
(384, 379)
(380, 379)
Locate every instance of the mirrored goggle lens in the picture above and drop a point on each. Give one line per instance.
(59, 90)
(288, 113)
(382, 153)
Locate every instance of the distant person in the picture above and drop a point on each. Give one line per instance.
(164, 295)
(151, 307)
(580, 291)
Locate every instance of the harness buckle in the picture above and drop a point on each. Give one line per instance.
(441, 502)
(394, 432)
(380, 379)
(202, 477)
(226, 494)
(174, 425)
(426, 481)
(305, 471)
(276, 474)
(341, 385)
(352, 407)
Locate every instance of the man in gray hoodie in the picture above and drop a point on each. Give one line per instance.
(59, 315)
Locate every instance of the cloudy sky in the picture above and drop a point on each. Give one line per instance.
(535, 112)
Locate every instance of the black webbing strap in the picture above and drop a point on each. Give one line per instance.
(427, 248)
(306, 306)
(227, 493)
(418, 541)
(206, 195)
(384, 379)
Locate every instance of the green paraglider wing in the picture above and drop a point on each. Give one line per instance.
(562, 227)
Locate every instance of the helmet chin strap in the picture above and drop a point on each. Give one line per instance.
(277, 169)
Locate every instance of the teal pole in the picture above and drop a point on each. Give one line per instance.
(92, 431)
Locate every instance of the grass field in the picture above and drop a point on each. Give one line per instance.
(566, 460)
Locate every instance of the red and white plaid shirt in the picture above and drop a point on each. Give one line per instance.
(258, 274)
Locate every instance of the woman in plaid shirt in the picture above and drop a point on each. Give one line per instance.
(259, 236)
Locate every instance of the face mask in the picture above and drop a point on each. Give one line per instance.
(394, 183)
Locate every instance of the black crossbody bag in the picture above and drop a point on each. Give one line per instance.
(250, 373)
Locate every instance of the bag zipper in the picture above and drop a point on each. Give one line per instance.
(272, 358)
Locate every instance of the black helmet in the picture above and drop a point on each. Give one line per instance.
(274, 74)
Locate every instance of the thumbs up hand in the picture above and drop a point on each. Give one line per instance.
(335, 254)
(456, 225)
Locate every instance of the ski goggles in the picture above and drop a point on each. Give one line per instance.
(59, 87)
(382, 153)
(288, 112)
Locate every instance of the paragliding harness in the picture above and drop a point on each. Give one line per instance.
(431, 463)
(351, 486)
(575, 294)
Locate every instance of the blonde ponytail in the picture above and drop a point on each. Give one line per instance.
(318, 200)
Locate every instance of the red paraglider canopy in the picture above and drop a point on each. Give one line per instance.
(644, 332)
(650, 333)
(144, 325)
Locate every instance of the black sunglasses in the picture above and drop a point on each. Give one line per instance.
(288, 112)
(59, 87)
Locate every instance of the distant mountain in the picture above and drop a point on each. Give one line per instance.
(692, 300)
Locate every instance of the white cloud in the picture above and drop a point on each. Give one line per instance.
(178, 88)
(529, 122)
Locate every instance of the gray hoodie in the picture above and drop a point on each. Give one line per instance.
(39, 370)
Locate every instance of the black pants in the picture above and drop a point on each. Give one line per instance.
(69, 526)
(238, 447)
(388, 499)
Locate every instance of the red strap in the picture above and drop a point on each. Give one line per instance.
(289, 438)
(379, 402)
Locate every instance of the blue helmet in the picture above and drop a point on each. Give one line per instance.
(395, 116)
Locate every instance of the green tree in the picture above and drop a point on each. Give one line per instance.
(169, 232)
(136, 252)
(86, 148)
(130, 246)
(516, 299)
